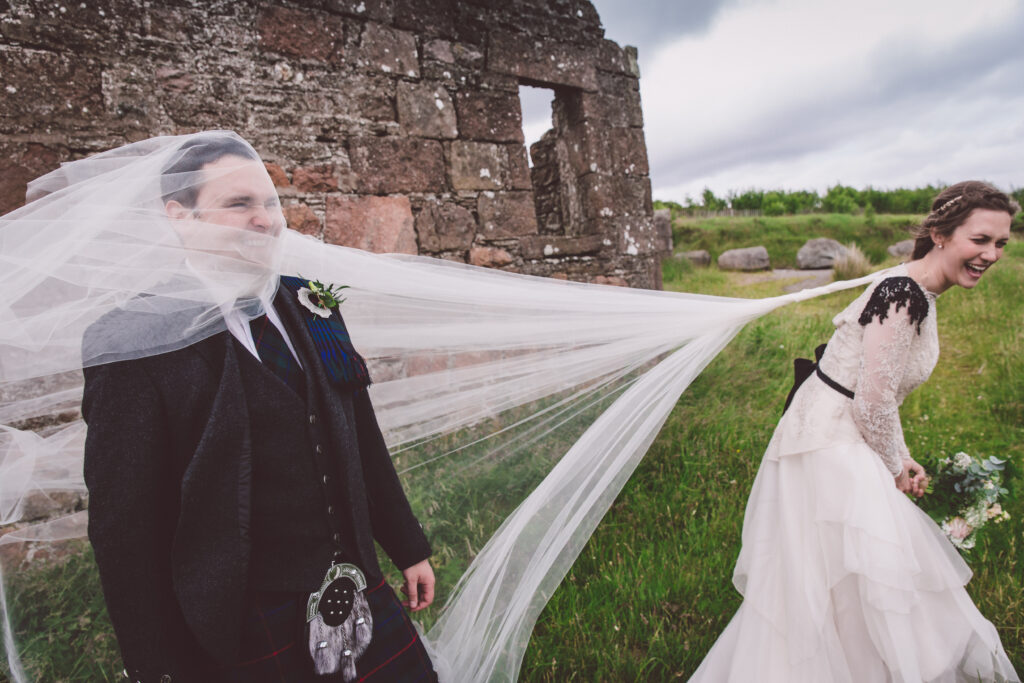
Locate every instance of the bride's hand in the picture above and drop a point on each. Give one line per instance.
(912, 478)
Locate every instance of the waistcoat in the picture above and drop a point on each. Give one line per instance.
(297, 524)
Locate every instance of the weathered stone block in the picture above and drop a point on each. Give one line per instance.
(300, 217)
(698, 257)
(301, 33)
(636, 234)
(444, 226)
(611, 57)
(434, 19)
(378, 224)
(490, 257)
(47, 87)
(607, 109)
(612, 280)
(607, 196)
(441, 50)
(518, 168)
(506, 214)
(491, 116)
(426, 110)
(317, 178)
(16, 170)
(544, 62)
(377, 10)
(543, 246)
(389, 50)
(820, 252)
(477, 165)
(632, 61)
(394, 164)
(901, 249)
(426, 364)
(468, 55)
(277, 175)
(748, 258)
(663, 230)
(593, 148)
(173, 80)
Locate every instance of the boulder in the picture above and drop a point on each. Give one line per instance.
(901, 249)
(700, 257)
(749, 258)
(820, 252)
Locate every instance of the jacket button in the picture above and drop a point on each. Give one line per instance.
(319, 449)
(326, 479)
(330, 509)
(312, 418)
(166, 678)
(336, 538)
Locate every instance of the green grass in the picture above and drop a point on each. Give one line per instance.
(783, 236)
(651, 590)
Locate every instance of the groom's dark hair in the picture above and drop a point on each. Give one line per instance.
(178, 181)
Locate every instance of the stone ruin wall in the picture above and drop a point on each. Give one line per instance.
(388, 125)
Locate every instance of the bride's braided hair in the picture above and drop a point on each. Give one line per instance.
(951, 208)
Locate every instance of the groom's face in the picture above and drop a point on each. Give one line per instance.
(236, 212)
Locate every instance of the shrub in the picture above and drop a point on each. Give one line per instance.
(852, 265)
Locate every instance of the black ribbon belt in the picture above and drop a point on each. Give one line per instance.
(832, 383)
(804, 368)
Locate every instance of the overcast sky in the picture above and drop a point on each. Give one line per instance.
(801, 94)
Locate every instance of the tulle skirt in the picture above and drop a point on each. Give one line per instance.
(846, 580)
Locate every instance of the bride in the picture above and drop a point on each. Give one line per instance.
(844, 579)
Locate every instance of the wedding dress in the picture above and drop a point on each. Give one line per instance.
(844, 578)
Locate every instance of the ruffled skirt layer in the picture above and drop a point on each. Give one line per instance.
(844, 579)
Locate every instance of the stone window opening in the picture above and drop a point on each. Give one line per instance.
(547, 136)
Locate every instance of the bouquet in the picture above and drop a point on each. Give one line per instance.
(963, 496)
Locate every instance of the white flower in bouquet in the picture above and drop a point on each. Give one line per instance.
(975, 516)
(961, 461)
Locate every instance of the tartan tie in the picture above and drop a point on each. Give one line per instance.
(275, 354)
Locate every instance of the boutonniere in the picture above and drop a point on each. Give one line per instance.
(320, 298)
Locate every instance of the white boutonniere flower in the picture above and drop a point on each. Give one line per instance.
(319, 298)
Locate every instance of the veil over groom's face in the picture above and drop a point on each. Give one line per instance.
(236, 210)
(230, 222)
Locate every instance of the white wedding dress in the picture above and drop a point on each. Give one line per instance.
(844, 579)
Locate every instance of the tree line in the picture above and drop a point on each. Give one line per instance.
(837, 199)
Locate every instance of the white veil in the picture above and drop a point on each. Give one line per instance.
(516, 407)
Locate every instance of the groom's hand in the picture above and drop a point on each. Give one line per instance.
(419, 586)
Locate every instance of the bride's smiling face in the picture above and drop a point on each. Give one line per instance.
(975, 245)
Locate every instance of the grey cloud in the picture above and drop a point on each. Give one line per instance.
(908, 79)
(648, 23)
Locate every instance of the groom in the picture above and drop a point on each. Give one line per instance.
(227, 477)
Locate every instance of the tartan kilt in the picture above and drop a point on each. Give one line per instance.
(275, 647)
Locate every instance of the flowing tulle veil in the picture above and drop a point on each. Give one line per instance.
(515, 407)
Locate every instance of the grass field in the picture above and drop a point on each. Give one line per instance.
(651, 590)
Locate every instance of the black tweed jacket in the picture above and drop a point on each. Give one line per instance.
(168, 464)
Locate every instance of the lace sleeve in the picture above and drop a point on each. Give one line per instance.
(891, 320)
